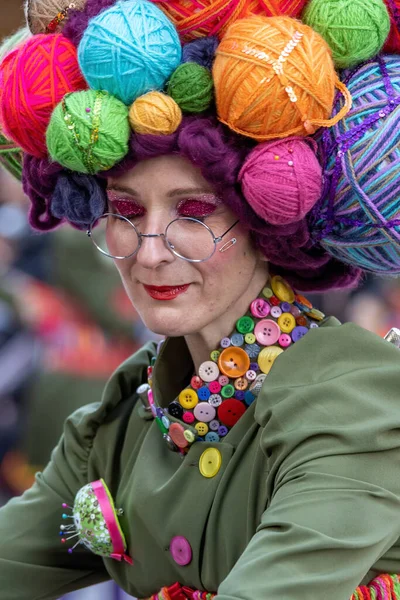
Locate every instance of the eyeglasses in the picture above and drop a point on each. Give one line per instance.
(186, 237)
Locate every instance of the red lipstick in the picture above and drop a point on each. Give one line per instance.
(165, 292)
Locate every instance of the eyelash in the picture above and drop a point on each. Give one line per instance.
(130, 209)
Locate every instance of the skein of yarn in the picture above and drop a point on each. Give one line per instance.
(155, 113)
(274, 77)
(191, 86)
(129, 49)
(358, 218)
(355, 31)
(48, 16)
(282, 180)
(34, 78)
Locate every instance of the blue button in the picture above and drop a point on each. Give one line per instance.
(249, 398)
(222, 430)
(203, 393)
(237, 339)
(212, 437)
(214, 425)
(253, 367)
(239, 394)
(253, 350)
(285, 306)
(298, 332)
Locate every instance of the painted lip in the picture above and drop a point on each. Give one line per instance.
(165, 292)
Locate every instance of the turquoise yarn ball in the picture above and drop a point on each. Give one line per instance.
(129, 49)
(358, 218)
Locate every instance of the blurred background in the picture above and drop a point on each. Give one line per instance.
(66, 324)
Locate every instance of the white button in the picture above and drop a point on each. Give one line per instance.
(208, 371)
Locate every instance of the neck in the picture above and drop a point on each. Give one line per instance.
(201, 343)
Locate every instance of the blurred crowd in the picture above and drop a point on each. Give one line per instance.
(66, 324)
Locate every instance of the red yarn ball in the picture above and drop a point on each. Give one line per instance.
(282, 179)
(34, 78)
(392, 44)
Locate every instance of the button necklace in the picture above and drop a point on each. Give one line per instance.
(229, 382)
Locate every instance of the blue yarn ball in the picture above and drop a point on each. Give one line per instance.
(129, 49)
(358, 218)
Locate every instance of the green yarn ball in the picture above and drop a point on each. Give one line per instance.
(191, 86)
(355, 30)
(88, 132)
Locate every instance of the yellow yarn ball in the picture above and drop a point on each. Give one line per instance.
(155, 113)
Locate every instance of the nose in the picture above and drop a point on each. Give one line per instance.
(154, 252)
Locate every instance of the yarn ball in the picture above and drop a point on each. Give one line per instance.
(48, 16)
(392, 43)
(34, 78)
(358, 218)
(88, 132)
(155, 113)
(274, 77)
(199, 18)
(201, 51)
(75, 26)
(129, 49)
(355, 31)
(191, 86)
(15, 40)
(11, 157)
(282, 180)
(79, 199)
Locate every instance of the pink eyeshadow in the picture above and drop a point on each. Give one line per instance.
(196, 208)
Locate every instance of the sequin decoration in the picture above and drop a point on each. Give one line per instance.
(52, 26)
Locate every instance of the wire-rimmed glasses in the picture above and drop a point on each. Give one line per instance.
(188, 238)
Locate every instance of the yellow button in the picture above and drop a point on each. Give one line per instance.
(282, 289)
(188, 398)
(286, 322)
(250, 338)
(316, 314)
(267, 357)
(210, 462)
(241, 383)
(189, 436)
(202, 428)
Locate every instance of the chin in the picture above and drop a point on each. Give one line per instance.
(166, 325)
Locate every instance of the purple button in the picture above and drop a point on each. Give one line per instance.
(222, 430)
(225, 342)
(204, 412)
(259, 308)
(296, 312)
(285, 307)
(276, 312)
(181, 550)
(214, 425)
(239, 395)
(298, 332)
(253, 367)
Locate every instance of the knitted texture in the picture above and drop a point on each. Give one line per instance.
(75, 26)
(79, 199)
(39, 178)
(88, 132)
(197, 18)
(200, 51)
(155, 113)
(282, 180)
(274, 77)
(15, 40)
(129, 49)
(392, 43)
(191, 86)
(359, 216)
(39, 13)
(354, 29)
(48, 67)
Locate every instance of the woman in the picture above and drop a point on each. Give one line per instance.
(237, 458)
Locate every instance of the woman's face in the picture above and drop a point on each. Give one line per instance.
(173, 296)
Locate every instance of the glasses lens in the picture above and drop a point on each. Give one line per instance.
(115, 236)
(190, 239)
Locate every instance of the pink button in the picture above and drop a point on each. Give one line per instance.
(285, 340)
(181, 550)
(214, 387)
(223, 380)
(251, 375)
(267, 332)
(204, 412)
(188, 417)
(259, 308)
(296, 312)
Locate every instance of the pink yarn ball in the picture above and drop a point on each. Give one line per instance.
(282, 179)
(34, 78)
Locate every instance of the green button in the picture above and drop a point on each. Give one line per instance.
(228, 391)
(153, 361)
(215, 355)
(267, 292)
(245, 325)
(161, 425)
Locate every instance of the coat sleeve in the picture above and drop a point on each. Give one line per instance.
(331, 435)
(34, 564)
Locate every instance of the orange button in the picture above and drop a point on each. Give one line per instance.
(241, 383)
(304, 301)
(234, 362)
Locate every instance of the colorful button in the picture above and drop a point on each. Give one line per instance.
(282, 289)
(252, 350)
(241, 383)
(196, 382)
(233, 362)
(253, 366)
(267, 357)
(223, 380)
(214, 425)
(165, 422)
(188, 417)
(204, 412)
(188, 398)
(267, 332)
(175, 410)
(251, 374)
(203, 393)
(239, 394)
(285, 340)
(225, 342)
(215, 400)
(256, 386)
(208, 371)
(274, 301)
(201, 428)
(267, 292)
(259, 308)
(287, 322)
(296, 312)
(245, 325)
(285, 306)
(237, 339)
(298, 333)
(316, 314)
(214, 387)
(230, 411)
(314, 325)
(303, 301)
(212, 436)
(250, 338)
(210, 462)
(215, 355)
(227, 391)
(189, 436)
(181, 550)
(222, 430)
(302, 320)
(276, 312)
(176, 433)
(249, 398)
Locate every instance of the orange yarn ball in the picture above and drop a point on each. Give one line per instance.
(34, 78)
(392, 43)
(274, 77)
(199, 18)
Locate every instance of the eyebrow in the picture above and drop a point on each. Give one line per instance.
(171, 194)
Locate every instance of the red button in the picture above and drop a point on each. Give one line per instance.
(230, 411)
(176, 434)
(196, 382)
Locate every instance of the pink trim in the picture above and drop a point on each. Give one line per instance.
(151, 402)
(110, 519)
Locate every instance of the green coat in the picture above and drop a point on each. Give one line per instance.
(305, 505)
